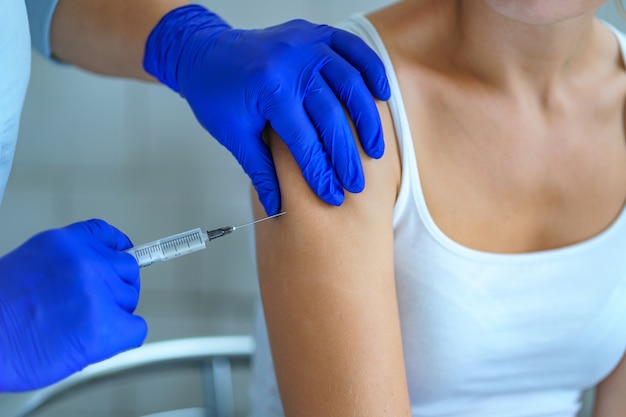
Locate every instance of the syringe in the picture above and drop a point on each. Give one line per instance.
(182, 243)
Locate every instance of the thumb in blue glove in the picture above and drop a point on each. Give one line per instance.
(67, 298)
(294, 76)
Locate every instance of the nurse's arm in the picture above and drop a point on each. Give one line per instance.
(106, 36)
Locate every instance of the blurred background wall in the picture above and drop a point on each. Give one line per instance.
(133, 154)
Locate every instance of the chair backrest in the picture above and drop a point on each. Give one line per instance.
(215, 356)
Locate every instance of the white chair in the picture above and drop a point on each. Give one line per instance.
(215, 356)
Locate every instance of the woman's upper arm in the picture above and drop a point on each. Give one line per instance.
(327, 282)
(610, 398)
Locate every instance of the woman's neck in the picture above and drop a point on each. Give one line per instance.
(524, 58)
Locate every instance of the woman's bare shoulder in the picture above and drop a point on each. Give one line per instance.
(327, 283)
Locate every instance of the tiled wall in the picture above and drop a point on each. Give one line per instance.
(133, 154)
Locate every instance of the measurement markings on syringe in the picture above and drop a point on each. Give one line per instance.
(147, 251)
(174, 246)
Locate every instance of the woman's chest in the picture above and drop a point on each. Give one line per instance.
(502, 176)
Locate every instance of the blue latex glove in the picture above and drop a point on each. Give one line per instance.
(294, 76)
(67, 298)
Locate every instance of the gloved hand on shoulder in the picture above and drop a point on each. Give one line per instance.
(67, 298)
(294, 76)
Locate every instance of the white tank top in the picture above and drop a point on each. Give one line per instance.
(485, 334)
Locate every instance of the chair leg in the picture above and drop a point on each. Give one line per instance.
(218, 388)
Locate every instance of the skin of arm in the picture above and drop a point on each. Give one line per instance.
(327, 282)
(610, 398)
(107, 36)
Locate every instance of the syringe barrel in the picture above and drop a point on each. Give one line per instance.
(170, 247)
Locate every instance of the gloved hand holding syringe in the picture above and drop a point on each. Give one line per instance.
(182, 243)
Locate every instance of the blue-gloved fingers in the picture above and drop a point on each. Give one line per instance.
(364, 59)
(123, 288)
(258, 164)
(332, 125)
(136, 331)
(105, 233)
(304, 144)
(126, 296)
(124, 266)
(348, 85)
(128, 270)
(122, 331)
(130, 331)
(114, 242)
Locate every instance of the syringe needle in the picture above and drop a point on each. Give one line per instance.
(259, 220)
(223, 231)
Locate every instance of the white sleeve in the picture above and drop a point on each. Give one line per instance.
(39, 17)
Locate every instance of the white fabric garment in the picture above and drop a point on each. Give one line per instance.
(485, 334)
(14, 74)
(40, 17)
(15, 54)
